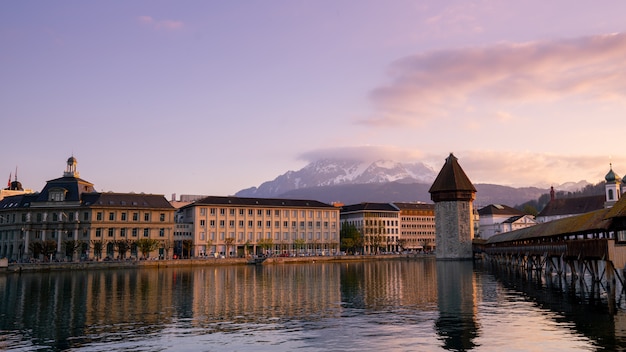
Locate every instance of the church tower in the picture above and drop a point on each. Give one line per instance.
(611, 187)
(453, 194)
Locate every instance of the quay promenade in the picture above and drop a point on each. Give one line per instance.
(199, 262)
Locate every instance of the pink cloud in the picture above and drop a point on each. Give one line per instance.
(160, 24)
(434, 84)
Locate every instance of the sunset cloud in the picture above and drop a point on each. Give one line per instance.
(363, 153)
(160, 24)
(435, 84)
(516, 169)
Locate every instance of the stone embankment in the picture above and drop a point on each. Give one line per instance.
(129, 264)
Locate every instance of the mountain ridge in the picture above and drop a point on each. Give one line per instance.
(356, 181)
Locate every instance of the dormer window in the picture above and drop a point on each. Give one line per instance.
(56, 195)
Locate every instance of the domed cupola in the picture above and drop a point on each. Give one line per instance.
(71, 170)
(611, 176)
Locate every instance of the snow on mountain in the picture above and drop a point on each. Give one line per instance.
(339, 172)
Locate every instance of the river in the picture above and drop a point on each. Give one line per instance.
(389, 305)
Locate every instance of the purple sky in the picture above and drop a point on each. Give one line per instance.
(210, 97)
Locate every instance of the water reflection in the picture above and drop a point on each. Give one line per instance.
(585, 305)
(388, 305)
(457, 305)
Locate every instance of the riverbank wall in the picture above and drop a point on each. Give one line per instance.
(135, 264)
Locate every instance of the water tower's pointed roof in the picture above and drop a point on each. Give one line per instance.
(452, 183)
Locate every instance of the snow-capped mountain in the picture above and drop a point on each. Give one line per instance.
(341, 172)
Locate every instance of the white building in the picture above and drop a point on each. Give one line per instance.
(378, 223)
(498, 218)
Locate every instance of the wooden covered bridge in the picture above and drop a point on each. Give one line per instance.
(591, 245)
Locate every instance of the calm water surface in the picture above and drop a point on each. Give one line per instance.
(394, 305)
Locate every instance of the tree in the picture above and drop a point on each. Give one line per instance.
(187, 246)
(351, 238)
(247, 247)
(229, 241)
(147, 245)
(98, 246)
(401, 242)
(36, 247)
(122, 246)
(265, 244)
(167, 245)
(299, 244)
(49, 247)
(71, 247)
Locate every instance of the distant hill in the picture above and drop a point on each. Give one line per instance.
(410, 192)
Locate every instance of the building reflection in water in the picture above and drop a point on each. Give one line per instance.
(71, 309)
(456, 298)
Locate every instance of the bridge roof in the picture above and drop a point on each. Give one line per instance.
(618, 209)
(584, 223)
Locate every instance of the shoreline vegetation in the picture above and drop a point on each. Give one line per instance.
(194, 262)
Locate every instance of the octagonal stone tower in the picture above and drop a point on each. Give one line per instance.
(453, 194)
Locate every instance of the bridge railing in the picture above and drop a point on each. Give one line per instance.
(589, 248)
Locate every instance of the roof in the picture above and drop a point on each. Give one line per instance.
(414, 206)
(94, 199)
(452, 183)
(17, 201)
(498, 209)
(583, 223)
(572, 206)
(266, 202)
(74, 187)
(369, 207)
(618, 209)
(512, 219)
(126, 200)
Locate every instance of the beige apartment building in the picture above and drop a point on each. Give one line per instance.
(238, 227)
(417, 226)
(69, 220)
(377, 223)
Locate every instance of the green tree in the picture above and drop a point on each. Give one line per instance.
(299, 244)
(265, 244)
(147, 245)
(351, 239)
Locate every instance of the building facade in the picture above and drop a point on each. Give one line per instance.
(237, 227)
(498, 218)
(69, 220)
(417, 226)
(377, 223)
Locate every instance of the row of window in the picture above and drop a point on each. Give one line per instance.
(241, 236)
(124, 216)
(268, 224)
(268, 212)
(423, 219)
(123, 232)
(71, 216)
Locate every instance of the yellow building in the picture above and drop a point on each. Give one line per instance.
(235, 226)
(69, 220)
